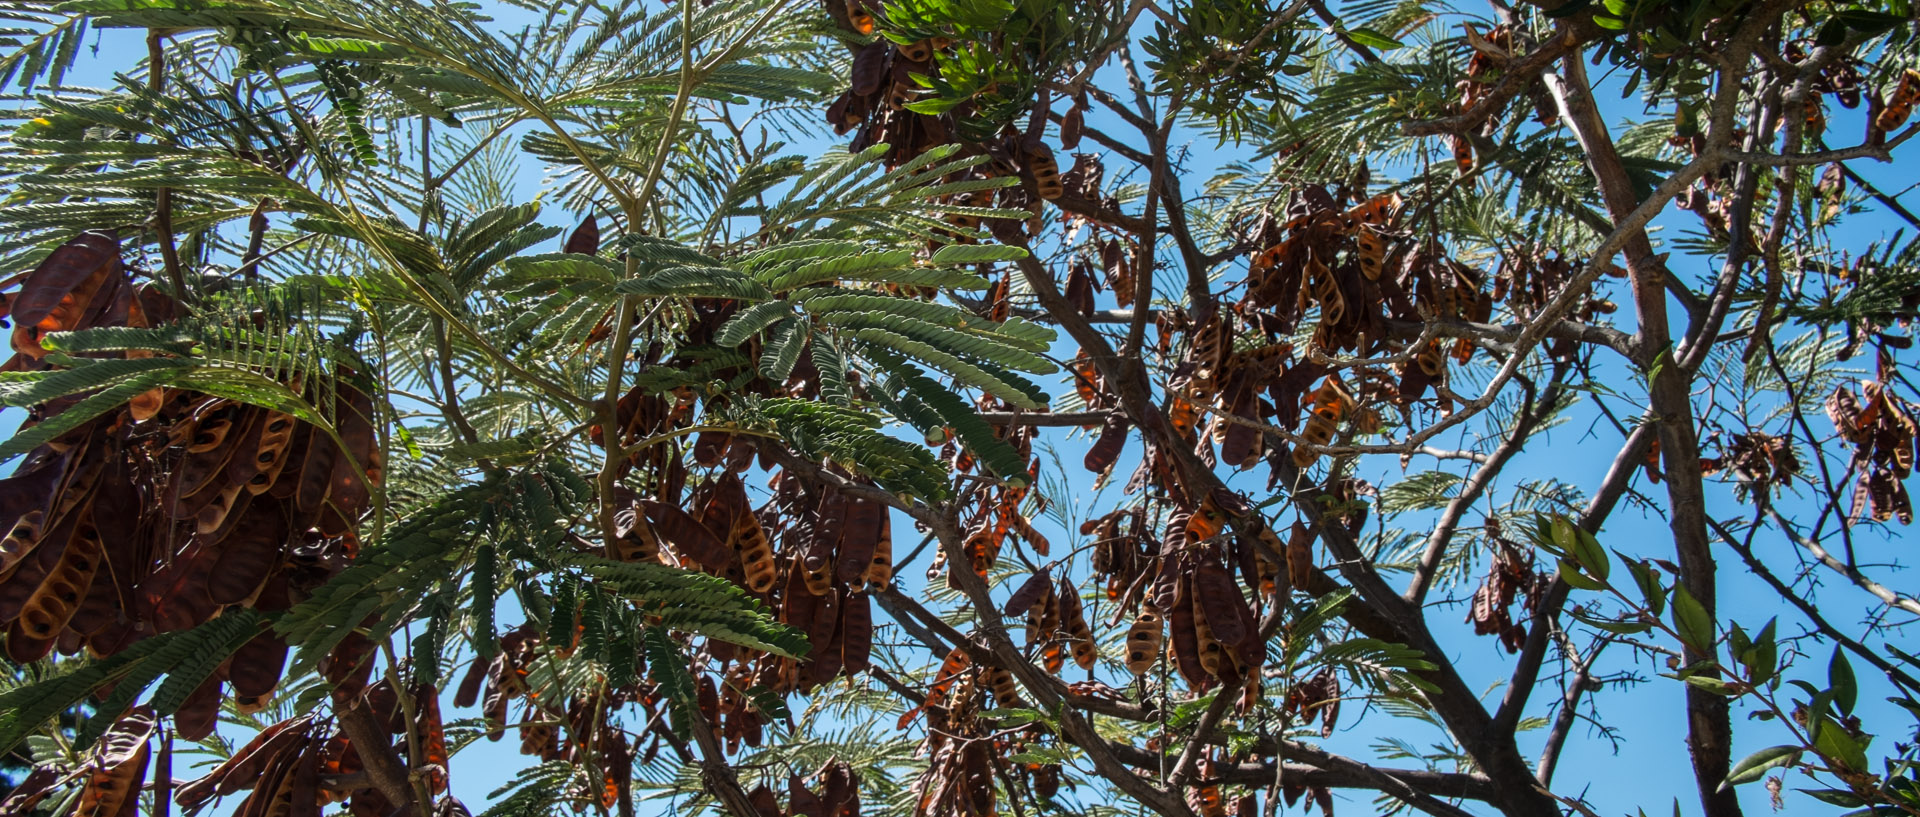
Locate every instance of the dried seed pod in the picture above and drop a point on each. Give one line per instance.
(756, 553)
(1144, 639)
(1331, 403)
(118, 765)
(1005, 692)
(879, 572)
(1030, 593)
(916, 51)
(270, 456)
(1900, 103)
(1073, 623)
(1046, 172)
(59, 595)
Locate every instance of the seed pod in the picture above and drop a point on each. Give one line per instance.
(1900, 103)
(59, 595)
(1037, 587)
(118, 766)
(756, 553)
(689, 537)
(1299, 555)
(1005, 692)
(1073, 624)
(22, 539)
(859, 537)
(856, 633)
(1144, 639)
(879, 572)
(270, 456)
(916, 51)
(1046, 172)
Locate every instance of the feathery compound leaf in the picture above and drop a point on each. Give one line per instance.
(952, 254)
(183, 656)
(213, 642)
(1014, 390)
(748, 322)
(694, 602)
(78, 414)
(981, 346)
(851, 439)
(966, 423)
(33, 388)
(699, 282)
(832, 367)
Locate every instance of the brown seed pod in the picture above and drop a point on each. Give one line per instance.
(1030, 593)
(59, 595)
(916, 51)
(879, 572)
(118, 765)
(1046, 172)
(859, 537)
(1331, 404)
(756, 553)
(1005, 692)
(689, 538)
(856, 633)
(270, 456)
(1144, 639)
(1073, 624)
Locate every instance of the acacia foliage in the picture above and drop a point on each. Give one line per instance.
(323, 440)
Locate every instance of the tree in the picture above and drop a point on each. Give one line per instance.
(325, 443)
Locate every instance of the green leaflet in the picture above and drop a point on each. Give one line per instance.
(710, 282)
(784, 347)
(695, 602)
(832, 367)
(33, 388)
(748, 322)
(953, 341)
(879, 340)
(78, 414)
(955, 413)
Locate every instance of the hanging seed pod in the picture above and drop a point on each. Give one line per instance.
(1005, 692)
(756, 553)
(1144, 639)
(916, 51)
(59, 595)
(119, 764)
(1073, 624)
(1330, 405)
(1046, 172)
(879, 573)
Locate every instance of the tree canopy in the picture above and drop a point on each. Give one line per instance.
(958, 407)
